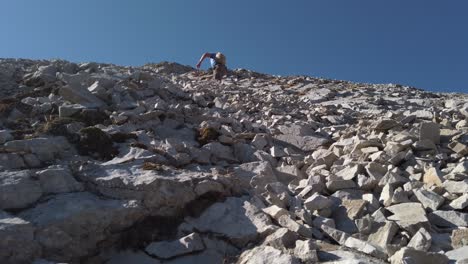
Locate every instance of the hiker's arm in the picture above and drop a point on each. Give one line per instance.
(204, 56)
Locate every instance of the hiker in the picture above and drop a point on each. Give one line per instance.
(218, 64)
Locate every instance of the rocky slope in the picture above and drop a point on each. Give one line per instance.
(108, 164)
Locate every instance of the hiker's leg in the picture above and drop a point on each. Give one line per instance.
(217, 73)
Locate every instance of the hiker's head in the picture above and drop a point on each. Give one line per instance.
(220, 58)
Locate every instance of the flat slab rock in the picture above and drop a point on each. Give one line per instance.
(18, 189)
(236, 219)
(163, 191)
(60, 223)
(15, 231)
(266, 254)
(168, 249)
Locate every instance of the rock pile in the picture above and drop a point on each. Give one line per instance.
(108, 164)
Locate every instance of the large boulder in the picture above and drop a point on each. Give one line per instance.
(165, 192)
(18, 189)
(266, 255)
(46, 149)
(17, 244)
(236, 219)
(70, 226)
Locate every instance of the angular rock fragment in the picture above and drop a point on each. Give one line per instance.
(18, 189)
(409, 216)
(266, 254)
(188, 244)
(236, 219)
(306, 251)
(417, 256)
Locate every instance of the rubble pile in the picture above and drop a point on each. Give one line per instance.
(102, 163)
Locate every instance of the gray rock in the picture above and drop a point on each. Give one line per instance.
(302, 137)
(18, 189)
(5, 136)
(275, 212)
(448, 218)
(429, 199)
(165, 249)
(430, 131)
(335, 184)
(365, 247)
(68, 110)
(79, 95)
(458, 255)
(409, 216)
(460, 203)
(287, 222)
(46, 149)
(236, 219)
(306, 251)
(384, 235)
(58, 180)
(11, 161)
(130, 256)
(337, 235)
(350, 172)
(220, 151)
(282, 238)
(60, 229)
(130, 181)
(317, 202)
(417, 256)
(17, 242)
(422, 240)
(255, 175)
(456, 187)
(266, 255)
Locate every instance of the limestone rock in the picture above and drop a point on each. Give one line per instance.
(18, 189)
(282, 238)
(17, 242)
(236, 219)
(430, 131)
(306, 251)
(188, 244)
(266, 255)
(58, 218)
(448, 219)
(429, 199)
(418, 256)
(409, 216)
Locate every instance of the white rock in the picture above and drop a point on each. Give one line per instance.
(422, 240)
(317, 202)
(46, 149)
(60, 227)
(306, 251)
(460, 203)
(429, 199)
(266, 255)
(365, 247)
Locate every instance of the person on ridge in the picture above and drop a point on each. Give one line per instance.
(218, 64)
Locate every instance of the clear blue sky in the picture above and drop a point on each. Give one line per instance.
(423, 43)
